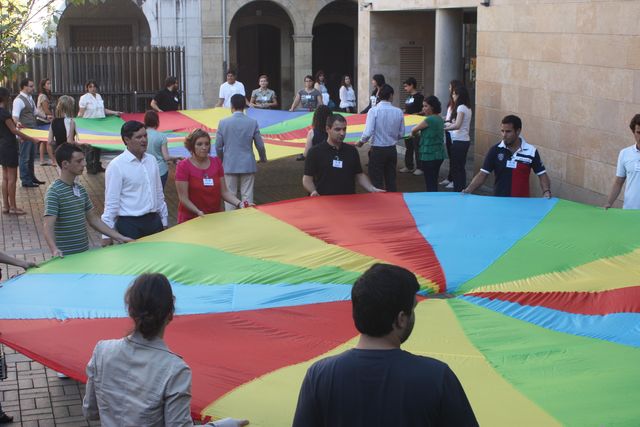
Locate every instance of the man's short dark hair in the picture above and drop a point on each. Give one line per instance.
(411, 82)
(513, 120)
(378, 296)
(231, 72)
(335, 117)
(65, 151)
(385, 93)
(238, 102)
(129, 128)
(635, 121)
(25, 82)
(170, 81)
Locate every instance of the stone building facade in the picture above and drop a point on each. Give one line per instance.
(570, 69)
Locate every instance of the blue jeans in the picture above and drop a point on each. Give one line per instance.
(25, 161)
(163, 179)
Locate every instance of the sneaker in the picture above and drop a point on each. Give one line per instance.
(61, 375)
(300, 157)
(418, 172)
(449, 185)
(405, 170)
(445, 182)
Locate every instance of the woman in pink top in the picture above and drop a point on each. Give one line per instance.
(200, 180)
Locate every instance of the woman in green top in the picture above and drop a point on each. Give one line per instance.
(431, 150)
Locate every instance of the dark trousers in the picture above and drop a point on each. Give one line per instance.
(382, 167)
(26, 157)
(448, 145)
(92, 157)
(139, 226)
(457, 163)
(411, 145)
(431, 169)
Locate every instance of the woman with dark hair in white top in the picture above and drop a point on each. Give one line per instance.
(459, 127)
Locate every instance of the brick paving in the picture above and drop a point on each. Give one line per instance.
(32, 393)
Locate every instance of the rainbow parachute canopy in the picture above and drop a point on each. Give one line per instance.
(542, 327)
(284, 132)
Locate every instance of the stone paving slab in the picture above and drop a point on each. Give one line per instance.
(33, 394)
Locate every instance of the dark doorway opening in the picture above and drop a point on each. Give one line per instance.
(259, 53)
(334, 53)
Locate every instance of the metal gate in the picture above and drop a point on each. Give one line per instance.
(127, 77)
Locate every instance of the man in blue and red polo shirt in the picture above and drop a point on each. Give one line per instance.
(512, 161)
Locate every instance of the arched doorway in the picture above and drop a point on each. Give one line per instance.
(335, 43)
(260, 43)
(112, 23)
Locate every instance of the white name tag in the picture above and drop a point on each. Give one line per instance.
(337, 164)
(409, 101)
(207, 182)
(176, 99)
(512, 164)
(76, 191)
(264, 99)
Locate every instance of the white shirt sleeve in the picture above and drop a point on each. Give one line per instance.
(370, 125)
(343, 95)
(18, 105)
(621, 172)
(113, 187)
(222, 91)
(402, 127)
(242, 91)
(82, 102)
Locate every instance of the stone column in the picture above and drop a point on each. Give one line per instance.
(364, 58)
(448, 52)
(302, 59)
(212, 52)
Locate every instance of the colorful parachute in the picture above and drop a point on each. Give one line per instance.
(284, 132)
(534, 303)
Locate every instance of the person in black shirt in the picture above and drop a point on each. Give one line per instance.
(377, 383)
(168, 99)
(377, 81)
(412, 105)
(332, 167)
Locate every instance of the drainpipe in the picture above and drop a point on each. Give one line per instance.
(225, 47)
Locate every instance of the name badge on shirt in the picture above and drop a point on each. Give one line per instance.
(207, 182)
(76, 191)
(337, 163)
(409, 100)
(512, 164)
(175, 98)
(264, 99)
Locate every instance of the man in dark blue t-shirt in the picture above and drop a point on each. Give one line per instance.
(377, 383)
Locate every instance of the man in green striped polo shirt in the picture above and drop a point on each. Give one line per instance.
(68, 208)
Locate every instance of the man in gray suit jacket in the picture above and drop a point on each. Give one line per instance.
(234, 145)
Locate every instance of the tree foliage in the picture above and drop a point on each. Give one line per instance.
(17, 19)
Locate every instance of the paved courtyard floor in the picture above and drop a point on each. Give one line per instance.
(32, 393)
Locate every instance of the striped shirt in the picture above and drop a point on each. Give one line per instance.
(69, 204)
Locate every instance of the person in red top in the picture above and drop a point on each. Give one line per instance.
(200, 180)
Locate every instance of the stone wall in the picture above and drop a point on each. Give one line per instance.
(571, 71)
(415, 28)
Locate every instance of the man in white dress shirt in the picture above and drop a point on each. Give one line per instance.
(134, 201)
(228, 89)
